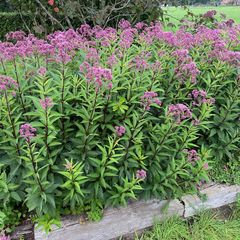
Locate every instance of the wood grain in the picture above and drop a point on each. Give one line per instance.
(217, 195)
(115, 223)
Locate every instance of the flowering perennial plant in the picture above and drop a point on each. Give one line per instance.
(97, 116)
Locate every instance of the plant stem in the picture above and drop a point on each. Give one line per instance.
(34, 165)
(3, 66)
(89, 124)
(62, 103)
(12, 124)
(162, 141)
(19, 87)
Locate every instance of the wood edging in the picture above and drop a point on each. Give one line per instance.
(140, 215)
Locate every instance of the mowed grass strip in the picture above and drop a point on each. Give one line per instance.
(179, 12)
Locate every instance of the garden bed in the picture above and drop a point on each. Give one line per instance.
(139, 215)
(102, 117)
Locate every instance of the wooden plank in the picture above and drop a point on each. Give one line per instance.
(217, 195)
(139, 215)
(115, 223)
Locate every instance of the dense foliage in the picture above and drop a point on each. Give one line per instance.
(13, 21)
(99, 116)
(49, 15)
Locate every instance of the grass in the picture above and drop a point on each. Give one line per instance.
(206, 226)
(179, 12)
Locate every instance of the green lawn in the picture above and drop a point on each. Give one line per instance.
(206, 226)
(179, 12)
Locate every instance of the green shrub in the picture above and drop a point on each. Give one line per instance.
(57, 14)
(12, 21)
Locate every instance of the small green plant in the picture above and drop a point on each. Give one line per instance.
(46, 222)
(9, 219)
(94, 210)
(173, 228)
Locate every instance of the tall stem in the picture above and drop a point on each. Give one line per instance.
(34, 165)
(162, 141)
(46, 133)
(14, 133)
(3, 66)
(19, 87)
(62, 103)
(89, 124)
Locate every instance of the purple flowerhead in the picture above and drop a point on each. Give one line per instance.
(192, 156)
(140, 25)
(7, 83)
(17, 35)
(196, 122)
(124, 24)
(112, 60)
(69, 166)
(42, 71)
(140, 63)
(198, 96)
(120, 131)
(149, 98)
(85, 30)
(110, 85)
(210, 14)
(46, 103)
(205, 166)
(141, 174)
(96, 75)
(179, 112)
(27, 131)
(5, 238)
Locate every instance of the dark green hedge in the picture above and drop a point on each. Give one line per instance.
(12, 21)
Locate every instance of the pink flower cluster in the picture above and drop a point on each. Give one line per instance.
(27, 131)
(192, 156)
(5, 238)
(124, 24)
(179, 112)
(62, 46)
(221, 52)
(141, 174)
(112, 60)
(46, 103)
(199, 97)
(127, 37)
(17, 35)
(7, 83)
(96, 75)
(149, 98)
(141, 61)
(140, 26)
(42, 71)
(210, 14)
(106, 36)
(120, 131)
(186, 68)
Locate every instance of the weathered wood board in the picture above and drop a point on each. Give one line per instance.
(217, 195)
(139, 215)
(115, 223)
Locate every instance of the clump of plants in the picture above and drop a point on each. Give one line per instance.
(98, 116)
